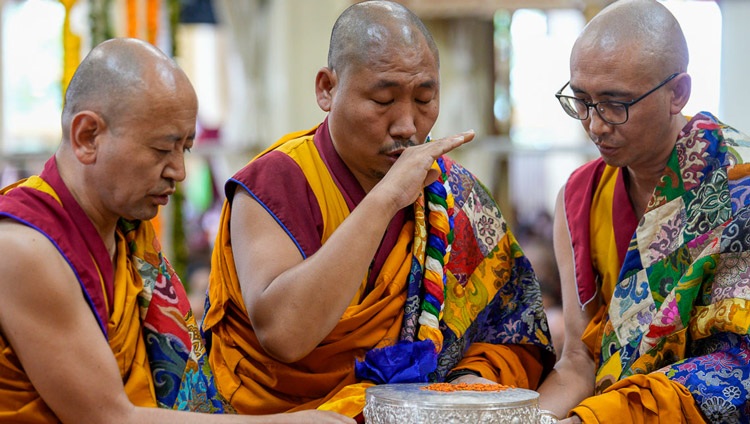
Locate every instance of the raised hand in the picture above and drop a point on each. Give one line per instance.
(412, 172)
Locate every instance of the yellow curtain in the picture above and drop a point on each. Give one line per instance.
(71, 47)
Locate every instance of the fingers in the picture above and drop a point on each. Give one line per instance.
(444, 145)
(458, 139)
(338, 418)
(315, 417)
(413, 170)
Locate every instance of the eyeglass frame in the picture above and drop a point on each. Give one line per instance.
(626, 105)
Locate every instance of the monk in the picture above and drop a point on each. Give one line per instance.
(356, 253)
(94, 324)
(651, 238)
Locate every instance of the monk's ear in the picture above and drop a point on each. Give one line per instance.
(325, 85)
(681, 86)
(85, 127)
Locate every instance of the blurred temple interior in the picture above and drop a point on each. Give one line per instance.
(253, 63)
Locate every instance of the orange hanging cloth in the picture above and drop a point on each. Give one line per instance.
(152, 20)
(131, 12)
(135, 12)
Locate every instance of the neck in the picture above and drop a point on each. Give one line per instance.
(641, 180)
(640, 188)
(75, 182)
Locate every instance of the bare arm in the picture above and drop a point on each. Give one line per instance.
(48, 323)
(572, 379)
(294, 304)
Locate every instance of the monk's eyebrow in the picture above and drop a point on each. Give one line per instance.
(382, 84)
(428, 84)
(605, 93)
(176, 138)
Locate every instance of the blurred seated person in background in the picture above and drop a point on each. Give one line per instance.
(356, 253)
(94, 324)
(197, 285)
(538, 249)
(651, 239)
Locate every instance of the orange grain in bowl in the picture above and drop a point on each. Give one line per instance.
(475, 387)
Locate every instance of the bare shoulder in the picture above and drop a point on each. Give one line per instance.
(29, 266)
(26, 251)
(47, 322)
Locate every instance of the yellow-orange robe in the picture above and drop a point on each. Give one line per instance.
(492, 321)
(142, 308)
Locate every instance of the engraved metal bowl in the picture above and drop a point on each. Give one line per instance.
(410, 404)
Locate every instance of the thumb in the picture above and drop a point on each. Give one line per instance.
(432, 176)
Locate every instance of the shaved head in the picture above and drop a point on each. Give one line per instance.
(645, 26)
(633, 51)
(365, 29)
(114, 74)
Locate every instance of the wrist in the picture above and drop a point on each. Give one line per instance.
(547, 417)
(453, 375)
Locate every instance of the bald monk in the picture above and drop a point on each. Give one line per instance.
(355, 253)
(95, 326)
(651, 238)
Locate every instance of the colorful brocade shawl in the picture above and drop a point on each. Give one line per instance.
(491, 322)
(673, 333)
(143, 301)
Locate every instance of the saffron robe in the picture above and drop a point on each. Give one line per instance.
(142, 309)
(493, 322)
(671, 339)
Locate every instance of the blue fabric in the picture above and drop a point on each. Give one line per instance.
(720, 380)
(404, 362)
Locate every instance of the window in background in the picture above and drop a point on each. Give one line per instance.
(541, 43)
(547, 144)
(701, 22)
(31, 75)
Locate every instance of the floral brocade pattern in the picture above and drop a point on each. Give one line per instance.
(177, 356)
(492, 294)
(682, 304)
(719, 380)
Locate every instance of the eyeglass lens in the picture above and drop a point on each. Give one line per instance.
(614, 113)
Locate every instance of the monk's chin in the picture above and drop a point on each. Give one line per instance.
(143, 215)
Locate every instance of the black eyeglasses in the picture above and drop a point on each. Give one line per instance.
(611, 111)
